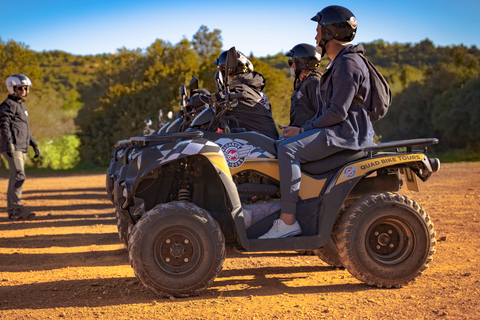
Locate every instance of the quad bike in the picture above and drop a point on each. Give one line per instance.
(190, 107)
(201, 190)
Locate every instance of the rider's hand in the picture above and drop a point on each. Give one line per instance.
(289, 132)
(10, 150)
(37, 151)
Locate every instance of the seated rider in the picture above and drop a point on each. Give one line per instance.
(253, 113)
(339, 123)
(304, 64)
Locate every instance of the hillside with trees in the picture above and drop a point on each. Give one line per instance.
(80, 106)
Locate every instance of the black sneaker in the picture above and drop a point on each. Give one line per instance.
(21, 214)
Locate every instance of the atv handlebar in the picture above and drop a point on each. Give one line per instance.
(220, 97)
(236, 96)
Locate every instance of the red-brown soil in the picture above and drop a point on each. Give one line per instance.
(69, 263)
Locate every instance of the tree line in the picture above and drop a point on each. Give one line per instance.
(80, 106)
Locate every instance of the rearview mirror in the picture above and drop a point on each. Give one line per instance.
(183, 96)
(219, 80)
(182, 90)
(193, 84)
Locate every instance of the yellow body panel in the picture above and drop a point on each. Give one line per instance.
(268, 167)
(219, 160)
(309, 187)
(362, 167)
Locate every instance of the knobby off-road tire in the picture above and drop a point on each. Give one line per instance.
(329, 254)
(122, 227)
(386, 240)
(177, 249)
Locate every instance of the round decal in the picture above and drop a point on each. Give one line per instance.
(235, 153)
(232, 154)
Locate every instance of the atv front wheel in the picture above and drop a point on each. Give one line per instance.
(329, 254)
(177, 249)
(386, 240)
(122, 227)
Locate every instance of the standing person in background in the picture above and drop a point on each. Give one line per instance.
(15, 138)
(339, 123)
(304, 64)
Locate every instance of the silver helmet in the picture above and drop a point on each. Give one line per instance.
(18, 80)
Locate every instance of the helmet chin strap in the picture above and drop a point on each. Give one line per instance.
(321, 47)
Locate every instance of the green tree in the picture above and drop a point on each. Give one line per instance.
(208, 46)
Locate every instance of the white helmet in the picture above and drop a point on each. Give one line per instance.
(17, 80)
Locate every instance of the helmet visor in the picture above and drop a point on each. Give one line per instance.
(317, 17)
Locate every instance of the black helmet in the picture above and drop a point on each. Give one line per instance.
(305, 56)
(337, 23)
(243, 64)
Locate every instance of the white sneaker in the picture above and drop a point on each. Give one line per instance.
(282, 230)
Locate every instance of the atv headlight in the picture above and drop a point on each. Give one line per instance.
(120, 153)
(127, 194)
(139, 161)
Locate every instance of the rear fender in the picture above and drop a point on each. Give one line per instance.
(382, 160)
(347, 178)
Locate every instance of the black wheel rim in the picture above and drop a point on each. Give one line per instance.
(178, 251)
(390, 241)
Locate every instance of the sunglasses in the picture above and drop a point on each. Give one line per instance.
(290, 62)
(20, 88)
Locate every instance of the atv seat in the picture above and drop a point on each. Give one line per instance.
(334, 161)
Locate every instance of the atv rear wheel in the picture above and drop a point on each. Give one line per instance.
(386, 240)
(177, 249)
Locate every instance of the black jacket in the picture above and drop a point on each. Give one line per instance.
(305, 100)
(346, 124)
(250, 113)
(14, 126)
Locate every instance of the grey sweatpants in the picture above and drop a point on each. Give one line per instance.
(305, 147)
(16, 169)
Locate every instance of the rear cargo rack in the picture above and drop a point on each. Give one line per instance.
(408, 144)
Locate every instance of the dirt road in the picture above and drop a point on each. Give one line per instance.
(69, 263)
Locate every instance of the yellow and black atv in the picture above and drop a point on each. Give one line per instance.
(203, 191)
(186, 195)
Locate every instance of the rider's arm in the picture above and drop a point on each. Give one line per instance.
(346, 79)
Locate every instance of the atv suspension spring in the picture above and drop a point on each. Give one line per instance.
(184, 195)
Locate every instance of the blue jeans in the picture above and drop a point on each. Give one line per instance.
(305, 147)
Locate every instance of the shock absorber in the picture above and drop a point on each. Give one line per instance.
(183, 195)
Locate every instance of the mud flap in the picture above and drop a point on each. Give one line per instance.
(411, 180)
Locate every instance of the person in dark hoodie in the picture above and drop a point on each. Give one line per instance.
(253, 113)
(15, 139)
(304, 62)
(339, 123)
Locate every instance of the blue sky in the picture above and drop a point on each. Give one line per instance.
(258, 27)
